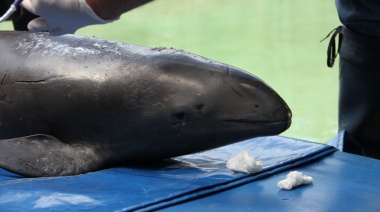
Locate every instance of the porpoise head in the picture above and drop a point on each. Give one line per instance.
(202, 104)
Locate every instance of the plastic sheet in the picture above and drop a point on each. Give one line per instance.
(154, 186)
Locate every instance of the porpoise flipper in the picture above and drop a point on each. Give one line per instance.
(44, 155)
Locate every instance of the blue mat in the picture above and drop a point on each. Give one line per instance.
(342, 182)
(154, 186)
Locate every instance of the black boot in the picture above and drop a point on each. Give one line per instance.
(359, 97)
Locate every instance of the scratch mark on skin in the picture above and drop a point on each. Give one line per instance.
(34, 81)
(158, 48)
(30, 81)
(5, 75)
(236, 92)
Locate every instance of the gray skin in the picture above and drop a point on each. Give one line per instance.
(71, 105)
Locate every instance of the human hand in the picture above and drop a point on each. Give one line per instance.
(61, 16)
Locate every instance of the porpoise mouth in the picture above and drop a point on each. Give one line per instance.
(284, 120)
(254, 121)
(285, 123)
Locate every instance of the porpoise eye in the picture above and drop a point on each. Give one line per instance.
(179, 115)
(182, 115)
(199, 109)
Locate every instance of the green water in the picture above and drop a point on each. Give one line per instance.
(276, 40)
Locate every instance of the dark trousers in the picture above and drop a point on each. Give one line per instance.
(359, 93)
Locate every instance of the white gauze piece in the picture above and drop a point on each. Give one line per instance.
(294, 179)
(243, 162)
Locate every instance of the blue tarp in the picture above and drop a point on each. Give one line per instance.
(342, 182)
(158, 185)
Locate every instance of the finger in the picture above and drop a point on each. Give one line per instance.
(38, 25)
(27, 4)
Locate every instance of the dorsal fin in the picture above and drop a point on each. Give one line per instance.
(44, 155)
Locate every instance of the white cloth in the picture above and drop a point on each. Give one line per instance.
(243, 162)
(294, 179)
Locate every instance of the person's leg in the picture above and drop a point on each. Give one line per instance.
(359, 93)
